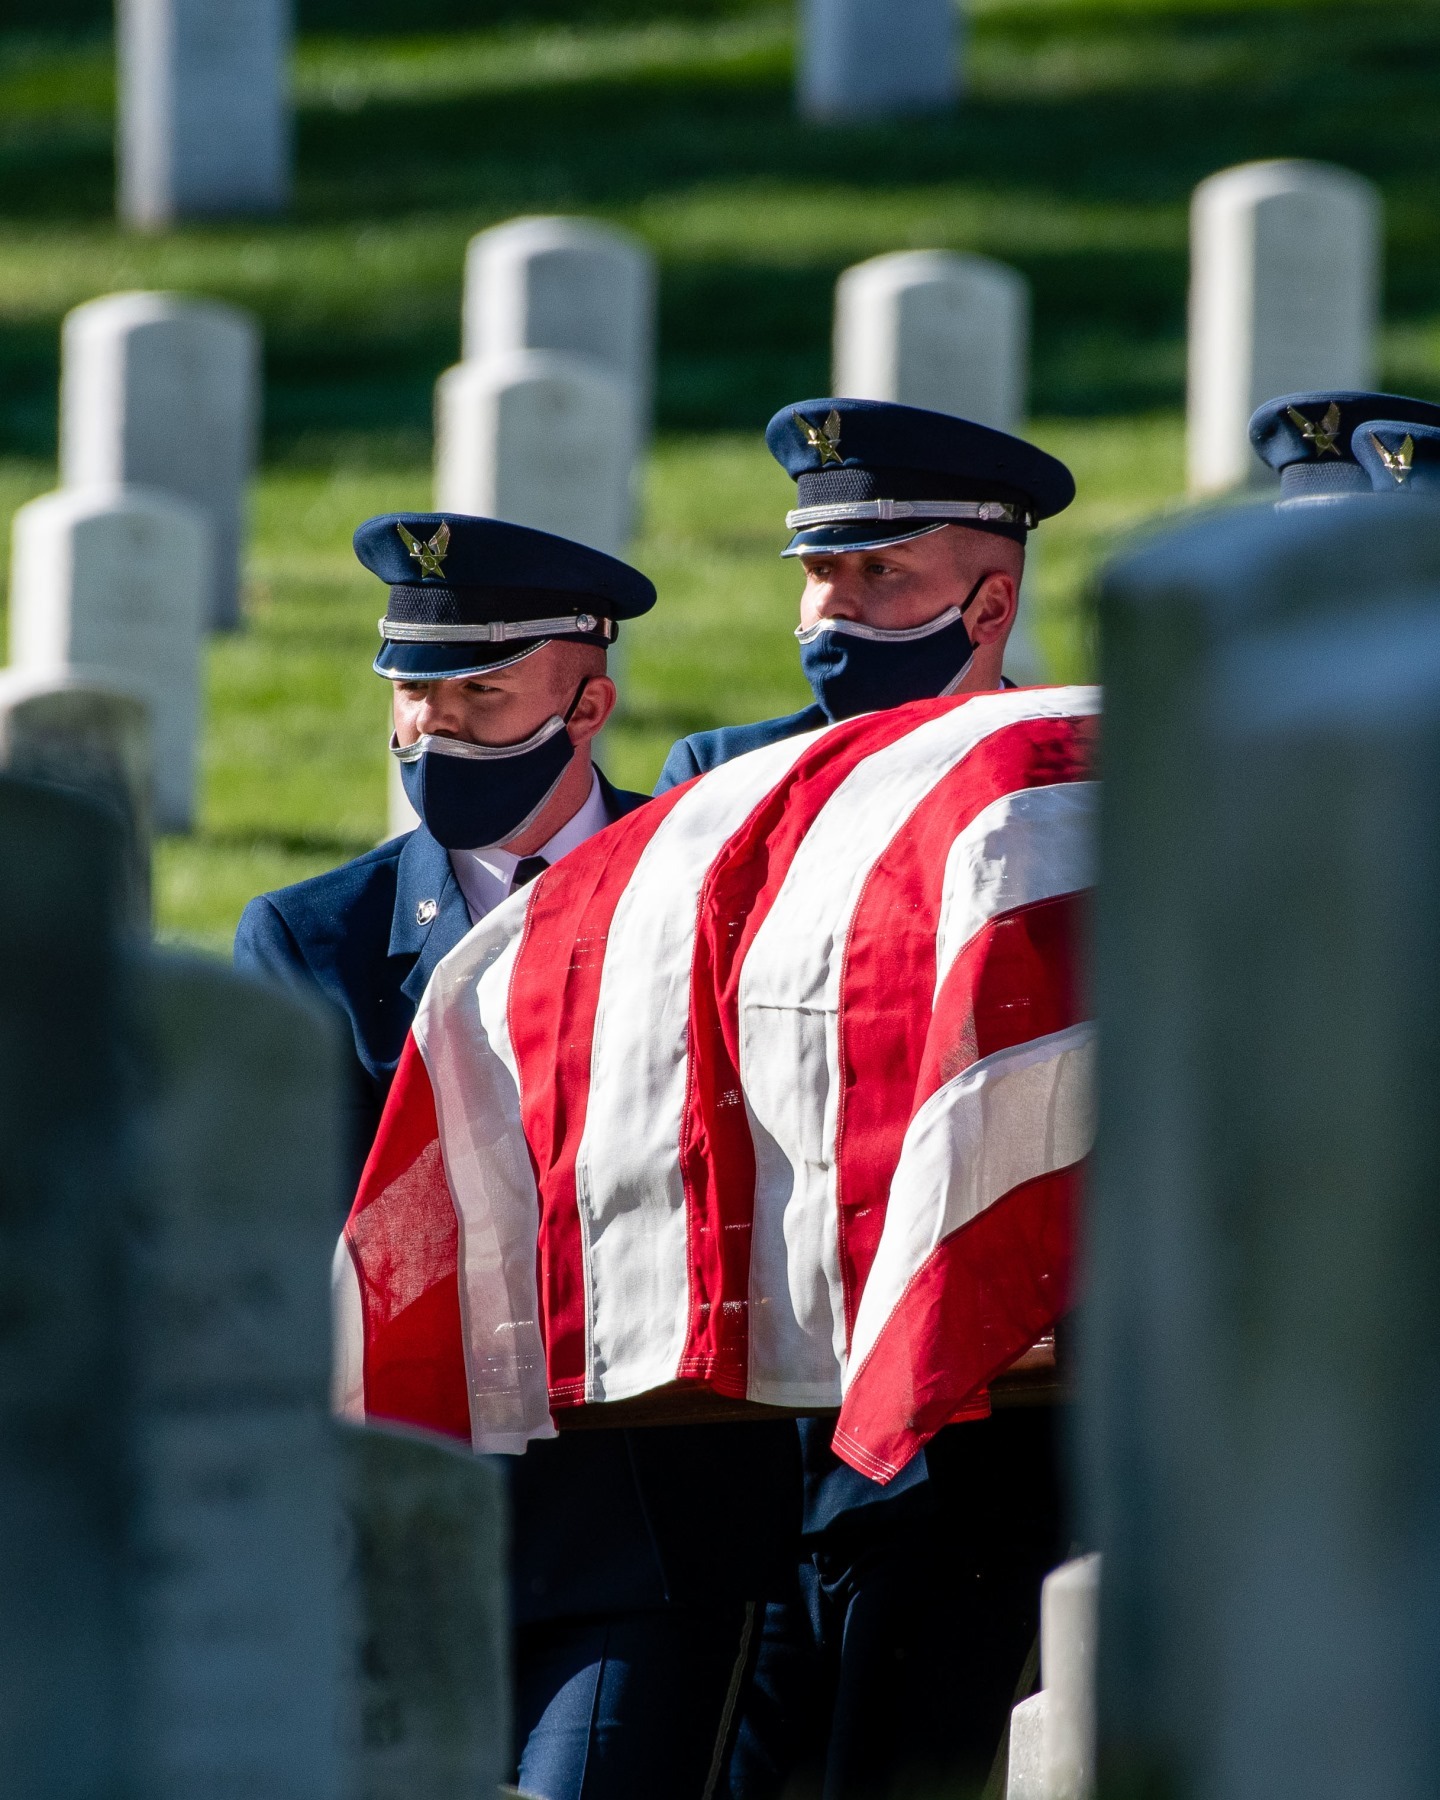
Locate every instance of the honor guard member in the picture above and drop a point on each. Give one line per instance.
(1342, 445)
(635, 1556)
(919, 1600)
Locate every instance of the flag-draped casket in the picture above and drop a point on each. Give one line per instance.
(777, 1089)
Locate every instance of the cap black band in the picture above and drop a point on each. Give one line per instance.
(432, 604)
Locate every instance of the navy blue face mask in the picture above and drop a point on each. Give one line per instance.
(471, 795)
(854, 668)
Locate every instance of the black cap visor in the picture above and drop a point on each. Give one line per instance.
(452, 662)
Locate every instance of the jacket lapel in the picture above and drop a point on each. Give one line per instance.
(430, 916)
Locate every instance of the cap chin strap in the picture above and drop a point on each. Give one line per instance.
(847, 512)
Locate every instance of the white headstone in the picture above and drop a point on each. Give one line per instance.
(1025, 1768)
(425, 1538)
(110, 582)
(863, 59)
(163, 391)
(937, 329)
(565, 284)
(541, 438)
(72, 733)
(242, 1631)
(204, 114)
(1069, 1623)
(1284, 296)
(400, 815)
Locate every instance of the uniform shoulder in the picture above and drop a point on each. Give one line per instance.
(327, 901)
(704, 750)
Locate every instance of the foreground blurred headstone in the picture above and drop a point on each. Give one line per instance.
(937, 329)
(162, 391)
(426, 1555)
(858, 59)
(204, 114)
(1259, 1352)
(1284, 297)
(62, 1310)
(110, 583)
(72, 733)
(541, 438)
(569, 284)
(239, 1605)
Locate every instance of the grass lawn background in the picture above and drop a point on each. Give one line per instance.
(1084, 127)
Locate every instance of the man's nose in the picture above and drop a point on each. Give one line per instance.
(438, 711)
(835, 596)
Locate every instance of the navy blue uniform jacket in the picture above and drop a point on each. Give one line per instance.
(602, 1522)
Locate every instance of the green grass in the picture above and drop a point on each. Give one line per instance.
(1085, 125)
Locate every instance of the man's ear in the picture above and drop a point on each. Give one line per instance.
(992, 611)
(592, 709)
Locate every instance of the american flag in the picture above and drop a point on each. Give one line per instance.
(778, 1089)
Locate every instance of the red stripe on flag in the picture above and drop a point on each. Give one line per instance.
(981, 1298)
(891, 951)
(554, 992)
(717, 1153)
(404, 1243)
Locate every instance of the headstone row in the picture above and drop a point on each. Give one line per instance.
(1052, 1734)
(116, 577)
(1259, 1372)
(209, 1587)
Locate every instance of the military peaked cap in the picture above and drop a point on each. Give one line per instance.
(1310, 439)
(1399, 457)
(871, 472)
(468, 594)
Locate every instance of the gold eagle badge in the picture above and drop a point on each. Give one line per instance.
(431, 556)
(1397, 462)
(824, 438)
(1323, 435)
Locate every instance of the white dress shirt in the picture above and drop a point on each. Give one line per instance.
(487, 875)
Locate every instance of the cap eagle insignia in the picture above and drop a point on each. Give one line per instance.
(1397, 462)
(1323, 435)
(431, 556)
(824, 438)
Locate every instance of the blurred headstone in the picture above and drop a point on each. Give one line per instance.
(568, 284)
(72, 733)
(63, 1398)
(204, 111)
(426, 1542)
(861, 60)
(541, 438)
(110, 583)
(400, 815)
(163, 391)
(1284, 297)
(1259, 1352)
(937, 329)
(241, 1623)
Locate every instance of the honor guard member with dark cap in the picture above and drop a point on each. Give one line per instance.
(1342, 445)
(919, 1600)
(636, 1556)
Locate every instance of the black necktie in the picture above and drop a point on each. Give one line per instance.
(526, 870)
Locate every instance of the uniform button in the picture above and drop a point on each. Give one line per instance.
(426, 911)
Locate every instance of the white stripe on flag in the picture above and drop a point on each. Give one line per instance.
(1027, 846)
(347, 1338)
(1005, 1120)
(789, 998)
(627, 1176)
(462, 1032)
